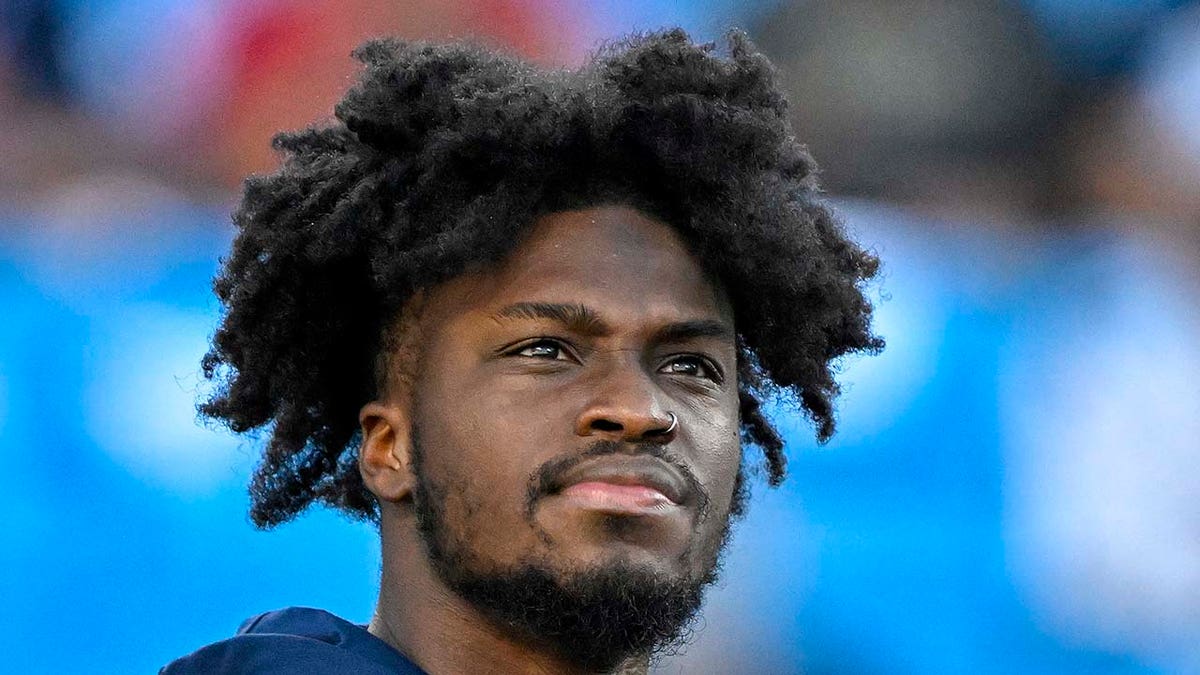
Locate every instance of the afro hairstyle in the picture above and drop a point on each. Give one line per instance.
(435, 163)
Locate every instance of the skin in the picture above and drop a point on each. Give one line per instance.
(498, 386)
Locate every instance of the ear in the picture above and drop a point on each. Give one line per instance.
(385, 458)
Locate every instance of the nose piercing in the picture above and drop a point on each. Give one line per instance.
(674, 423)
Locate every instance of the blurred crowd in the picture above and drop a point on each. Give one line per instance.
(1016, 487)
(1038, 112)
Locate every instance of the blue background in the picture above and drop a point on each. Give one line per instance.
(912, 543)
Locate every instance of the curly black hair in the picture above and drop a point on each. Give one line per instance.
(441, 156)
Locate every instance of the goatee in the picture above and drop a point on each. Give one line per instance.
(595, 618)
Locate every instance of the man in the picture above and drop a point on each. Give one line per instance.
(523, 320)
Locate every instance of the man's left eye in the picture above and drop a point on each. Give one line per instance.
(694, 366)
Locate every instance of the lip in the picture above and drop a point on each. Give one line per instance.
(627, 474)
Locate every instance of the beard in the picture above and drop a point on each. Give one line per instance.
(594, 617)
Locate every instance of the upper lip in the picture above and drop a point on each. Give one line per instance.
(627, 470)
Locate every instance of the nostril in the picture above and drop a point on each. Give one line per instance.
(606, 425)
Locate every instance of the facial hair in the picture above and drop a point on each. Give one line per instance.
(593, 617)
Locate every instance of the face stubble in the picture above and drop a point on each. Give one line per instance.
(597, 590)
(596, 616)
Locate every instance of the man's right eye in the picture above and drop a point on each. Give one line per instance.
(543, 349)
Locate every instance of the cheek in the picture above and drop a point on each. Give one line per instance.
(718, 455)
(480, 444)
(473, 440)
(717, 444)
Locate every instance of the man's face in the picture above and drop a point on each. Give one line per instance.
(542, 403)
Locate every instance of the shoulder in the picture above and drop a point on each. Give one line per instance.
(295, 640)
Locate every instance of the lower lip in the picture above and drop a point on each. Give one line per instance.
(612, 498)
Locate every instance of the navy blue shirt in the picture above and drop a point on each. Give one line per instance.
(296, 640)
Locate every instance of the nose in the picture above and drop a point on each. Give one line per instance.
(624, 405)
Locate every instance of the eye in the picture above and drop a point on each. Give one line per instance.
(549, 350)
(694, 366)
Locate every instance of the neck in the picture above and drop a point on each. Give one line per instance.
(443, 633)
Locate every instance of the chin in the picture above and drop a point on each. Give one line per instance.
(622, 546)
(595, 615)
(598, 535)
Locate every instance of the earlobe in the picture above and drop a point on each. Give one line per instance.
(385, 456)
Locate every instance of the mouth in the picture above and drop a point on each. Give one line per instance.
(625, 486)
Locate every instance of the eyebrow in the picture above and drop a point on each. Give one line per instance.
(576, 318)
(586, 321)
(692, 330)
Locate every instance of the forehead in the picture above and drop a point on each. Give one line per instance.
(616, 259)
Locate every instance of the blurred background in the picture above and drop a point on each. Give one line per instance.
(1015, 487)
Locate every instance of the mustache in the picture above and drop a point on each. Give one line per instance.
(543, 480)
